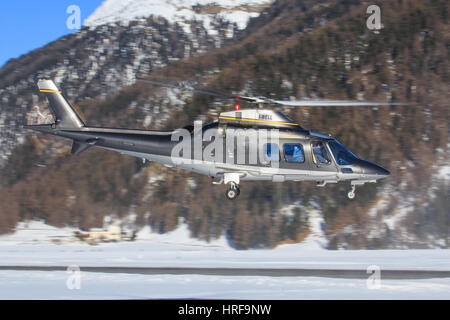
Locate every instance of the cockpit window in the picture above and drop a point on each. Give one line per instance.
(320, 154)
(342, 155)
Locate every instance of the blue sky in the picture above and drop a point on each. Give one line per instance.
(28, 24)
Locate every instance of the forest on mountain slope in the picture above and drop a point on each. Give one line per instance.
(294, 49)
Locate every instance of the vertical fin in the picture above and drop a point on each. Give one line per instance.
(66, 115)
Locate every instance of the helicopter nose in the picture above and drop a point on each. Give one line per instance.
(382, 172)
(371, 168)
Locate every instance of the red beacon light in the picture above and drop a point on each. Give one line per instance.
(237, 106)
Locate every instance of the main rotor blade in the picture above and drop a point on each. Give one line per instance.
(186, 88)
(264, 100)
(332, 103)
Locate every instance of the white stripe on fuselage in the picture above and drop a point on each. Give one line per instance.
(249, 173)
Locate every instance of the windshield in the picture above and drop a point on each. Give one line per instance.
(342, 155)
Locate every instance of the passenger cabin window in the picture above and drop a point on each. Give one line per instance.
(272, 153)
(320, 154)
(294, 153)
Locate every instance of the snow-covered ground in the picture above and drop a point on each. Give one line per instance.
(53, 285)
(35, 244)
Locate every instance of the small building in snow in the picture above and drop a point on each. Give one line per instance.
(113, 233)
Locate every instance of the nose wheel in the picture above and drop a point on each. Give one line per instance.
(233, 191)
(351, 194)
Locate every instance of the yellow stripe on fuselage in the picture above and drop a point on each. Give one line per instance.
(50, 91)
(263, 121)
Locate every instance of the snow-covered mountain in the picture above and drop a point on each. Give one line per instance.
(95, 66)
(180, 11)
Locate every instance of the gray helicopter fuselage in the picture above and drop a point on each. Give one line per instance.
(250, 144)
(159, 146)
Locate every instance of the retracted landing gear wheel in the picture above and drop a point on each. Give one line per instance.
(233, 192)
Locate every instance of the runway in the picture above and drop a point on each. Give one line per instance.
(322, 273)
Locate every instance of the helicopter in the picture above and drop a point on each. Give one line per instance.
(258, 144)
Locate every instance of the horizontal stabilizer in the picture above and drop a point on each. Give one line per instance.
(79, 147)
